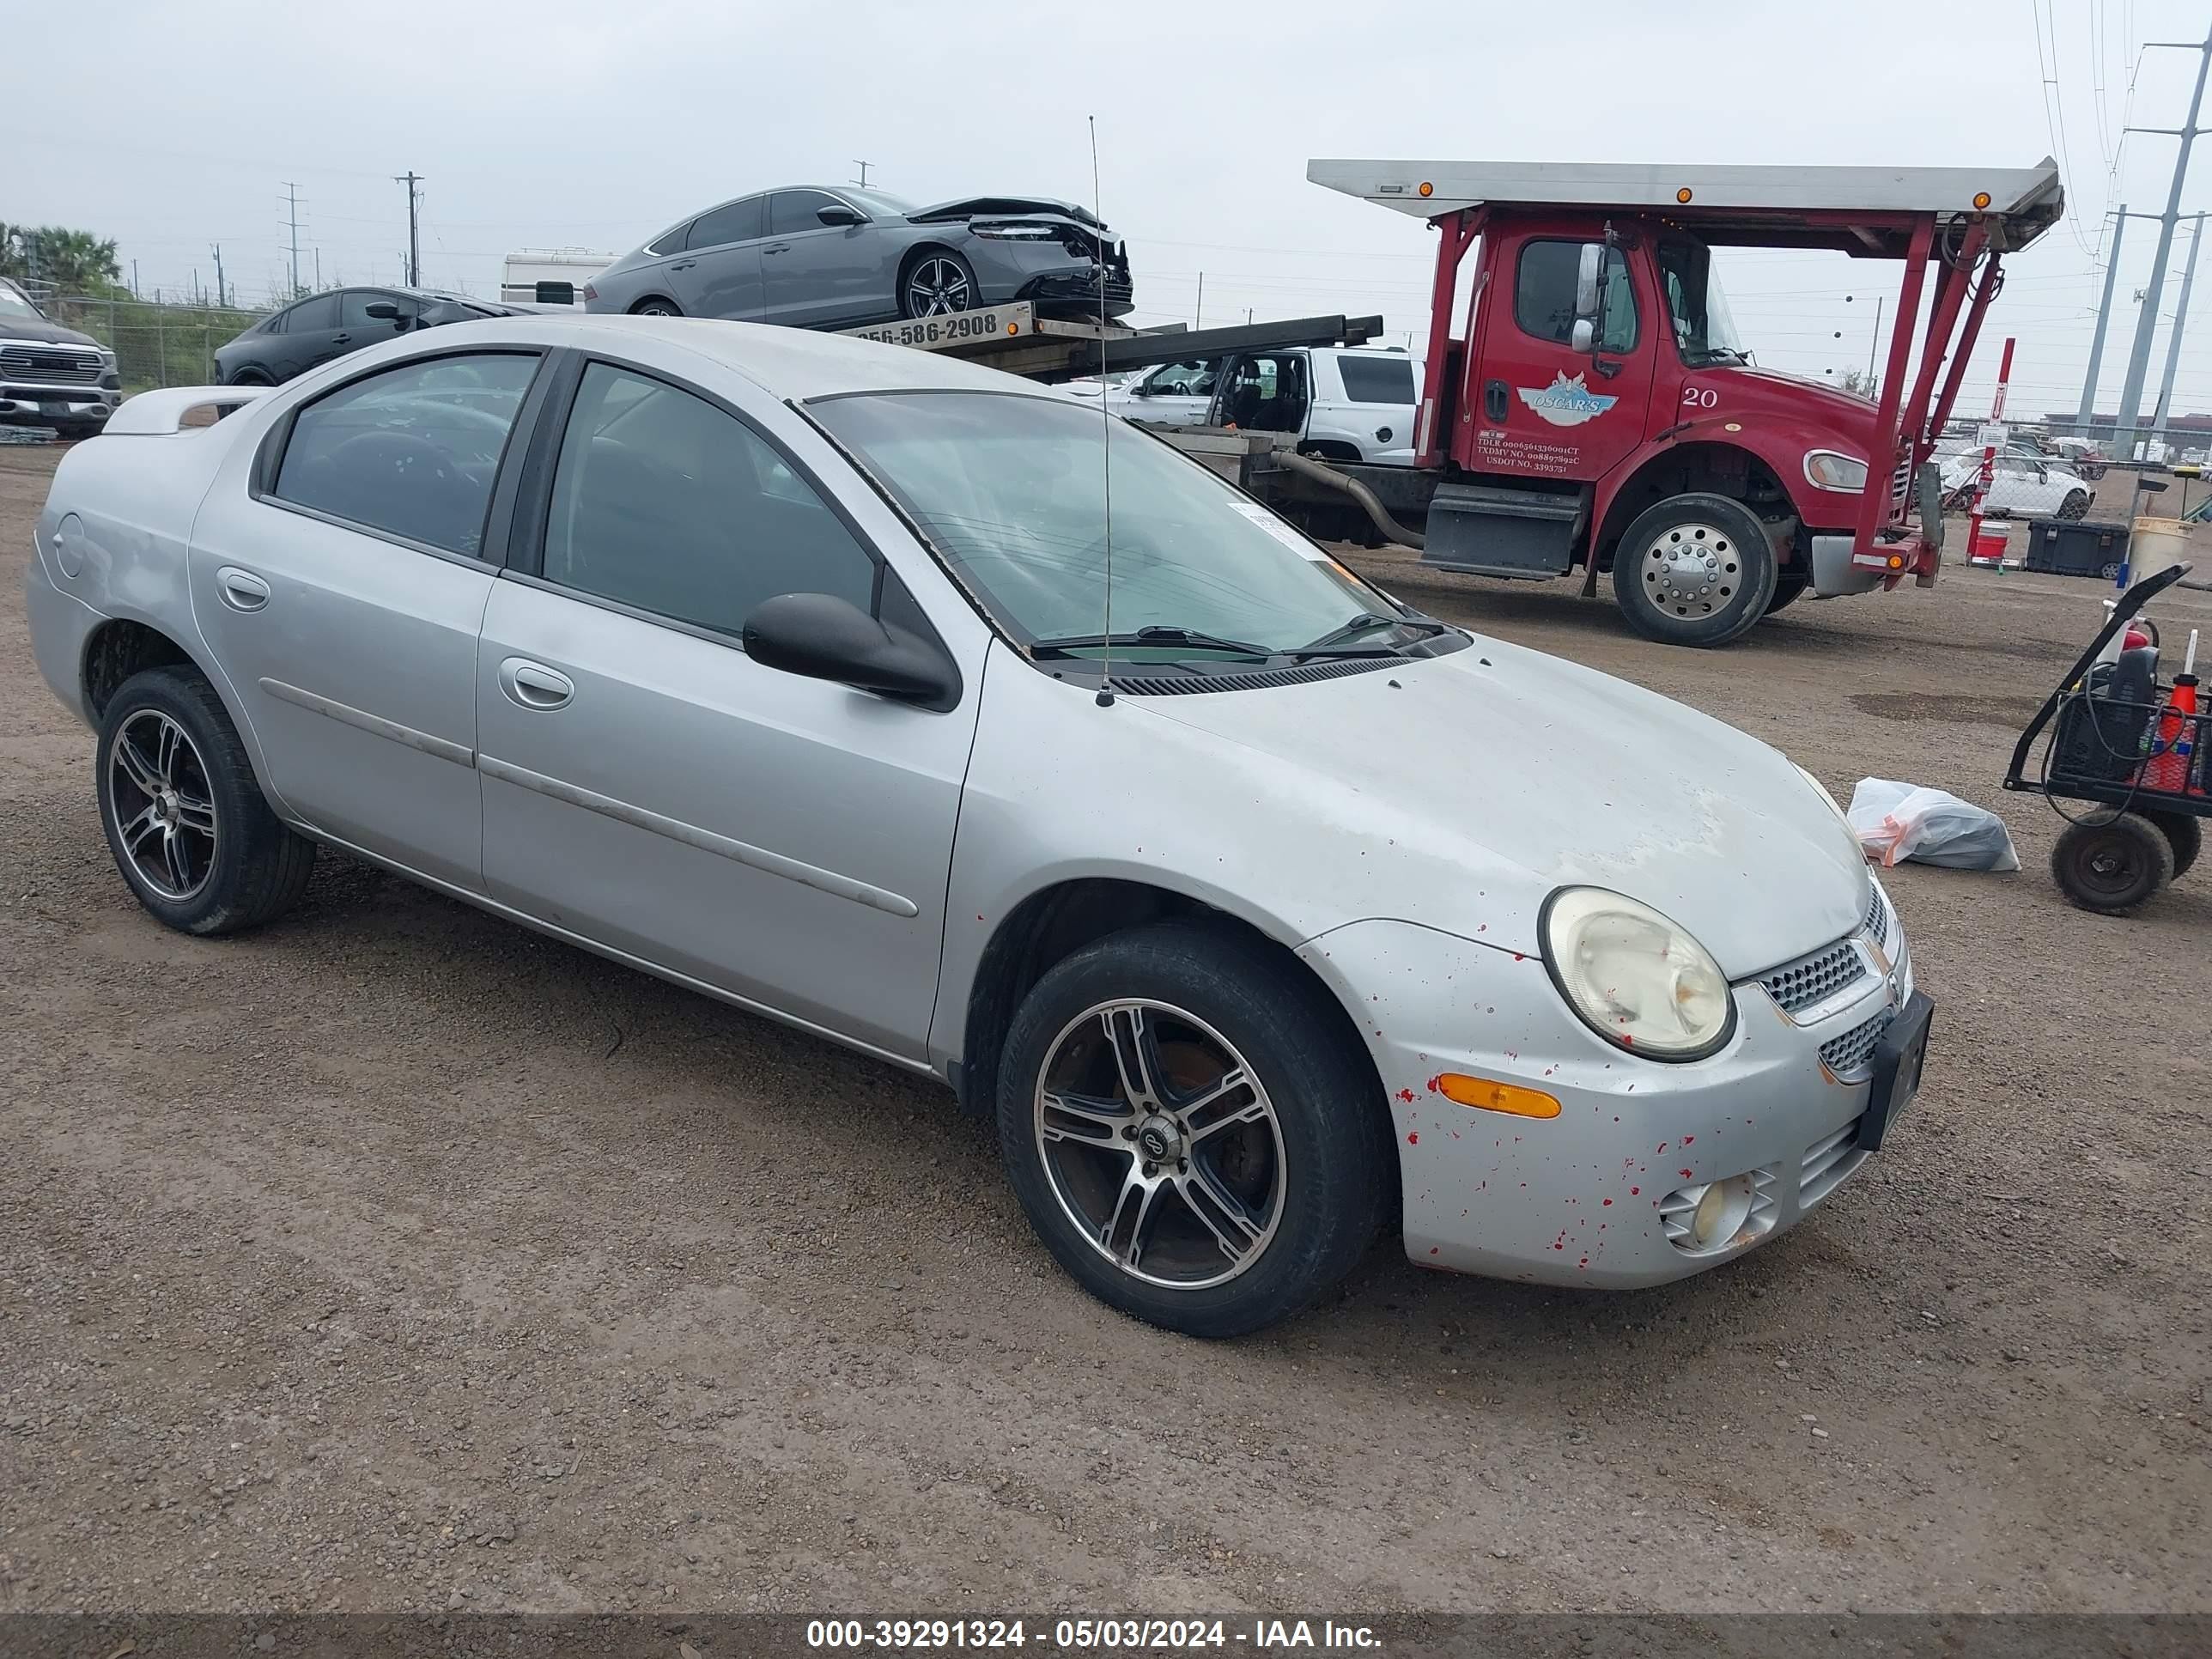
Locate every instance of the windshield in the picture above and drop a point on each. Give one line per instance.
(13, 303)
(878, 203)
(1704, 331)
(1010, 491)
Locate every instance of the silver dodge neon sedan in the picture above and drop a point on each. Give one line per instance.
(1268, 917)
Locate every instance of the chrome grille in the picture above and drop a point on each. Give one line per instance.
(1877, 916)
(1851, 1056)
(1808, 980)
(1901, 483)
(50, 366)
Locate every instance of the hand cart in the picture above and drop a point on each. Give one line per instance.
(2118, 743)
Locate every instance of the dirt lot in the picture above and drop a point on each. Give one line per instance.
(396, 1258)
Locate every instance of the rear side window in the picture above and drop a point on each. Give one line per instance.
(321, 312)
(1377, 380)
(793, 211)
(740, 221)
(1544, 295)
(663, 502)
(410, 451)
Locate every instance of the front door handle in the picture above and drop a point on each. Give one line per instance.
(341, 339)
(684, 265)
(241, 590)
(1606, 367)
(780, 248)
(532, 685)
(1493, 401)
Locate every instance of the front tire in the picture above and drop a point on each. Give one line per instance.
(185, 816)
(1193, 1134)
(2076, 506)
(939, 282)
(2113, 868)
(1697, 570)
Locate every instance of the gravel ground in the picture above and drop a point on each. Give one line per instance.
(394, 1258)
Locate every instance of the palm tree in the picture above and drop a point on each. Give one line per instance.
(73, 261)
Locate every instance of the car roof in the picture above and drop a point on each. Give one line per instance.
(793, 363)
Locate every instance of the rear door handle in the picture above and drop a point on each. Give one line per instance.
(241, 590)
(684, 265)
(340, 339)
(780, 248)
(532, 685)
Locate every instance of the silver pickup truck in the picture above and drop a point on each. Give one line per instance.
(50, 375)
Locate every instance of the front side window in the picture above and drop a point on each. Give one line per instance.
(1193, 380)
(740, 221)
(792, 210)
(410, 451)
(663, 502)
(1377, 380)
(353, 311)
(1704, 331)
(1544, 295)
(13, 302)
(1010, 489)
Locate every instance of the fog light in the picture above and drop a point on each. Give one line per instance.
(1708, 1226)
(1710, 1218)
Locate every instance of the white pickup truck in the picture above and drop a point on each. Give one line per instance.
(1345, 403)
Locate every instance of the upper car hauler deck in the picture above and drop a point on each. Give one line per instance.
(1596, 409)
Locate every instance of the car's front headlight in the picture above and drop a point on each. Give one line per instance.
(1828, 468)
(1636, 979)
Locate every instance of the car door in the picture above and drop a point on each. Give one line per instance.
(1174, 394)
(647, 785)
(718, 272)
(817, 274)
(337, 574)
(363, 329)
(2017, 487)
(1364, 399)
(312, 336)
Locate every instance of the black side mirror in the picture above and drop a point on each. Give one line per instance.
(382, 310)
(822, 637)
(836, 213)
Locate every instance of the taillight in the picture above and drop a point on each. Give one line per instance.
(590, 292)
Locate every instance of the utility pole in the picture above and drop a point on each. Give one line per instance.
(2146, 323)
(134, 279)
(222, 297)
(1198, 316)
(319, 270)
(292, 197)
(2173, 340)
(862, 181)
(2084, 416)
(1874, 340)
(412, 179)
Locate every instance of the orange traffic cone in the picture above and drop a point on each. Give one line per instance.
(2168, 770)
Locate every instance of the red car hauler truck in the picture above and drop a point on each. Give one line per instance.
(1597, 409)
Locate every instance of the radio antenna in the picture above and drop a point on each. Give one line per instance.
(1105, 435)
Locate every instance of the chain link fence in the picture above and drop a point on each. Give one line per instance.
(156, 343)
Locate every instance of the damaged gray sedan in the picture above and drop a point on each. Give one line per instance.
(817, 257)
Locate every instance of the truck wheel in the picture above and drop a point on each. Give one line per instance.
(1190, 1132)
(1696, 569)
(2184, 833)
(2114, 867)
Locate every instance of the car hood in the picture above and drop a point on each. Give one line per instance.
(1004, 207)
(46, 333)
(1459, 791)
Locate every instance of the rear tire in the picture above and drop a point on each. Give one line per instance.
(186, 818)
(1697, 570)
(2184, 833)
(2112, 868)
(1210, 1214)
(655, 308)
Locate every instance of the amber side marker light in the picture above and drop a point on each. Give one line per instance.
(1897, 561)
(1683, 194)
(1981, 199)
(1427, 189)
(1483, 1095)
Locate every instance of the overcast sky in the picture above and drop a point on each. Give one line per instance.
(541, 123)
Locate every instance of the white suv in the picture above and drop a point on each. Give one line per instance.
(1345, 402)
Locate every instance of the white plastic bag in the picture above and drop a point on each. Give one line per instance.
(1898, 821)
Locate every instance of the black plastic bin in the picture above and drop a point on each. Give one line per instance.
(2076, 547)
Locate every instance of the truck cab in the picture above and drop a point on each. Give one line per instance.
(1594, 407)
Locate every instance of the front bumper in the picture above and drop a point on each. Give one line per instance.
(1838, 571)
(26, 404)
(1596, 1195)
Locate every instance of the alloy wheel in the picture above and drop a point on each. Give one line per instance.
(936, 286)
(1160, 1144)
(1690, 569)
(164, 806)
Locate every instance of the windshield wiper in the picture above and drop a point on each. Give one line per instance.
(1366, 623)
(1068, 645)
